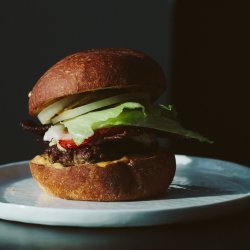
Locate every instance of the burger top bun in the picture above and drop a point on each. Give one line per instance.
(97, 69)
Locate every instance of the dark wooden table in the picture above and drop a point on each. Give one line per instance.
(229, 232)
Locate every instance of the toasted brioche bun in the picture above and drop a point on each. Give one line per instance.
(96, 69)
(129, 178)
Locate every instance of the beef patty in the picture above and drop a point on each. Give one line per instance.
(106, 151)
(105, 145)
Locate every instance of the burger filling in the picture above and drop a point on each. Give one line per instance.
(106, 151)
(107, 129)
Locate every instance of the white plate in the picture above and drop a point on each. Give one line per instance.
(202, 188)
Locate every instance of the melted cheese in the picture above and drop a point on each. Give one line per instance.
(43, 160)
(104, 164)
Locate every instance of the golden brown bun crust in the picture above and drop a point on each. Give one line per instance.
(97, 69)
(136, 178)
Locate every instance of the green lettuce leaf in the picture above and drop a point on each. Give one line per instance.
(162, 118)
(83, 126)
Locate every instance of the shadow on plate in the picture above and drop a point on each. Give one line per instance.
(183, 191)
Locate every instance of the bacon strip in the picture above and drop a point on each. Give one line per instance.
(33, 127)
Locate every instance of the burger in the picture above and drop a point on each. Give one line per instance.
(101, 127)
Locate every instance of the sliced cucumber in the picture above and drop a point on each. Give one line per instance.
(46, 114)
(68, 114)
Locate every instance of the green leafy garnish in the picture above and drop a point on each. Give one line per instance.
(161, 118)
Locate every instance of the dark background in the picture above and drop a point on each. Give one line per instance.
(204, 52)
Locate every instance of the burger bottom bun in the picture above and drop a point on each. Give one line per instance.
(129, 178)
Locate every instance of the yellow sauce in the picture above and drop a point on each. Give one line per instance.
(104, 164)
(43, 160)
